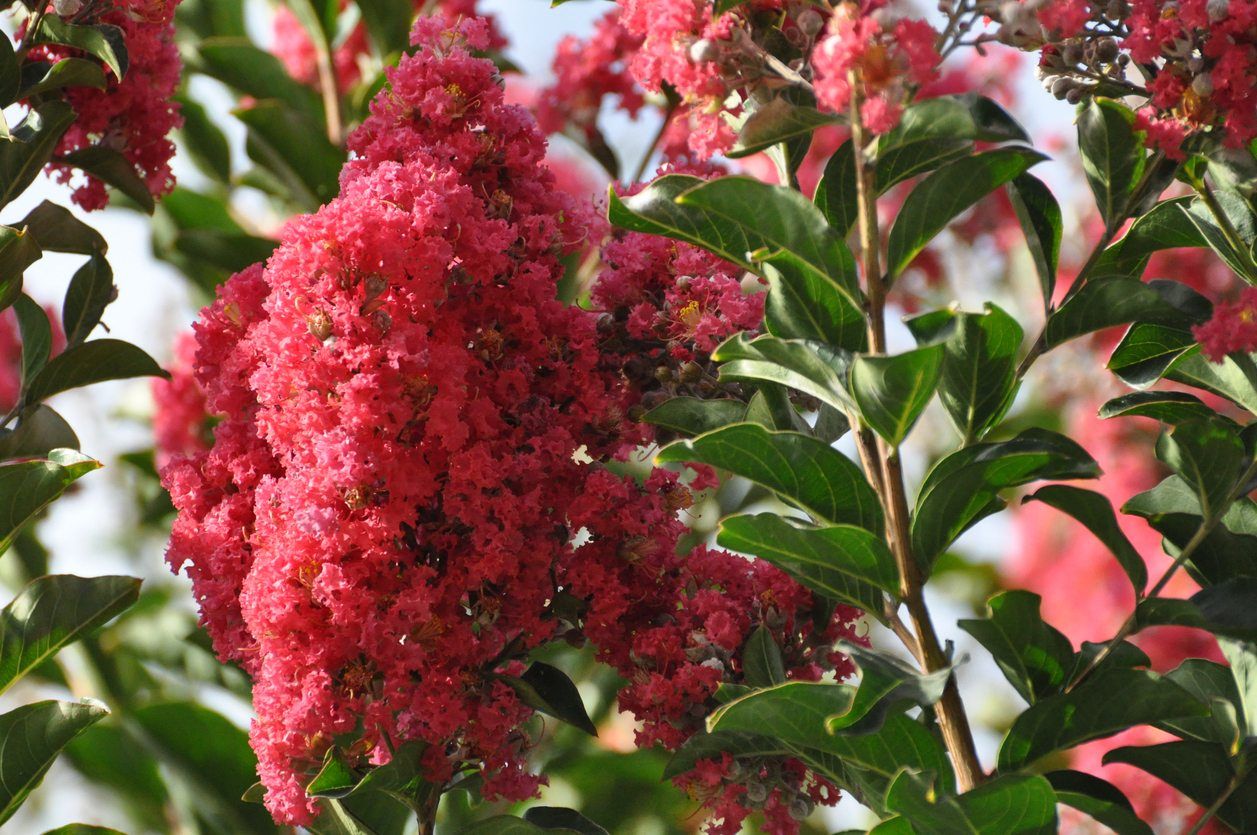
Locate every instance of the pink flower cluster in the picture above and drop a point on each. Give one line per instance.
(394, 506)
(885, 58)
(135, 115)
(587, 72)
(291, 43)
(1232, 329)
(181, 421)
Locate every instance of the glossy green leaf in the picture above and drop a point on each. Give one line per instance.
(205, 142)
(10, 74)
(1215, 685)
(38, 432)
(892, 391)
(510, 825)
(799, 468)
(694, 416)
(68, 72)
(92, 362)
(1242, 658)
(1089, 711)
(238, 63)
(548, 689)
(1095, 512)
(979, 374)
(115, 170)
(1113, 156)
(1040, 217)
(51, 612)
(108, 43)
(942, 196)
(810, 367)
(762, 665)
(1035, 657)
(1200, 770)
(58, 230)
(843, 562)
(551, 818)
(706, 746)
(36, 331)
(90, 292)
(964, 487)
(1209, 456)
(1165, 226)
(18, 250)
(31, 147)
(887, 685)
(778, 121)
(1098, 799)
(1020, 804)
(1171, 407)
(1239, 215)
(33, 735)
(1223, 609)
(27, 487)
(82, 829)
(1147, 351)
(383, 18)
(291, 146)
(1115, 300)
(1234, 378)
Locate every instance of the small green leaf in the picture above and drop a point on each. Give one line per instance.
(778, 121)
(335, 779)
(1098, 799)
(1095, 512)
(1224, 609)
(1165, 226)
(1113, 156)
(1172, 407)
(90, 292)
(892, 391)
(1017, 803)
(1115, 300)
(707, 746)
(27, 487)
(842, 563)
(799, 468)
(548, 690)
(886, 685)
(39, 431)
(694, 416)
(100, 41)
(1089, 712)
(1240, 217)
(58, 230)
(1200, 770)
(963, 488)
(1209, 456)
(943, 195)
(1040, 218)
(761, 659)
(68, 72)
(1147, 351)
(51, 612)
(92, 362)
(18, 250)
(810, 367)
(1034, 657)
(1234, 378)
(979, 375)
(33, 736)
(31, 146)
(551, 818)
(115, 170)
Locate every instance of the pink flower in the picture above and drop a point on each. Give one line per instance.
(1233, 328)
(180, 422)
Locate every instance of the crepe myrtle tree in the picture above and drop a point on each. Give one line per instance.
(434, 446)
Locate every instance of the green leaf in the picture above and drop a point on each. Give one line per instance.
(842, 563)
(707, 746)
(1209, 456)
(510, 825)
(943, 195)
(1240, 216)
(92, 362)
(1017, 803)
(892, 391)
(1234, 378)
(963, 488)
(18, 250)
(100, 41)
(82, 829)
(836, 194)
(1113, 156)
(51, 612)
(33, 735)
(1098, 799)
(68, 72)
(979, 375)
(1147, 351)
(10, 74)
(31, 146)
(1200, 770)
(39, 431)
(1165, 226)
(36, 332)
(1115, 300)
(1095, 512)
(1223, 609)
(58, 230)
(90, 292)
(795, 713)
(886, 685)
(548, 690)
(551, 818)
(810, 367)
(929, 134)
(778, 121)
(761, 659)
(1034, 657)
(383, 23)
(288, 144)
(1089, 712)
(1040, 218)
(1211, 684)
(1242, 657)
(239, 64)
(1172, 407)
(814, 292)
(694, 416)
(335, 779)
(27, 487)
(799, 468)
(205, 142)
(115, 170)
